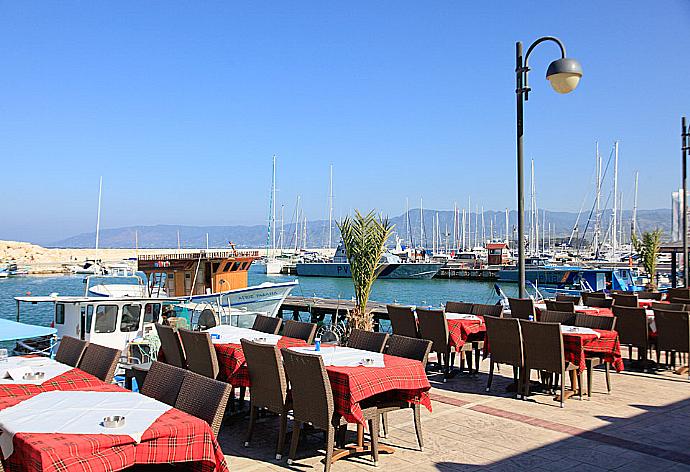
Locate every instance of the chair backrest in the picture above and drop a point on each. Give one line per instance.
(171, 346)
(267, 375)
(631, 324)
(70, 350)
(482, 309)
(299, 330)
(562, 317)
(367, 340)
(207, 319)
(504, 340)
(433, 327)
(100, 361)
(267, 324)
(587, 296)
(560, 306)
(595, 321)
(201, 355)
(599, 302)
(680, 292)
(673, 330)
(543, 345)
(459, 307)
(312, 396)
(620, 299)
(562, 297)
(403, 321)
(410, 348)
(684, 301)
(644, 295)
(204, 398)
(163, 382)
(522, 308)
(668, 306)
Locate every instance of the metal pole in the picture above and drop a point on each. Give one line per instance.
(685, 145)
(520, 183)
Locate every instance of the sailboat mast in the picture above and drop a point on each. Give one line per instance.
(297, 225)
(633, 221)
(178, 242)
(507, 234)
(469, 223)
(330, 209)
(407, 223)
(455, 225)
(98, 217)
(463, 230)
(421, 222)
(614, 223)
(273, 208)
(597, 218)
(483, 241)
(282, 227)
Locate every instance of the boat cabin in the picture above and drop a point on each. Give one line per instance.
(498, 254)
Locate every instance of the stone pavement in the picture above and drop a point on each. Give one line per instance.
(644, 424)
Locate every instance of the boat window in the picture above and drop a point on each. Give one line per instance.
(236, 266)
(89, 318)
(59, 313)
(152, 312)
(228, 267)
(106, 319)
(131, 314)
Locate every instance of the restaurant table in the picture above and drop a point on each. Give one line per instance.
(463, 328)
(647, 303)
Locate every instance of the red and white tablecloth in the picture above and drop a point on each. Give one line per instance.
(462, 330)
(577, 346)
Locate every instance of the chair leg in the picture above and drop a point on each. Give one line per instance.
(491, 374)
(477, 359)
(417, 412)
(562, 387)
(330, 445)
(384, 424)
(252, 422)
(374, 433)
(608, 376)
(590, 368)
(580, 377)
(243, 394)
(468, 357)
(296, 428)
(281, 435)
(525, 382)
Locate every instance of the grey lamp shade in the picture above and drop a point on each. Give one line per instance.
(564, 74)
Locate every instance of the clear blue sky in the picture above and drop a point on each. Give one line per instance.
(180, 106)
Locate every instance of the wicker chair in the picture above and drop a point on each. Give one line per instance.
(171, 346)
(522, 308)
(433, 327)
(163, 382)
(402, 320)
(367, 340)
(631, 324)
(680, 292)
(599, 302)
(481, 309)
(201, 355)
(684, 301)
(204, 398)
(543, 347)
(596, 322)
(70, 350)
(560, 306)
(100, 361)
(299, 330)
(588, 296)
(459, 307)
(673, 333)
(562, 297)
(562, 317)
(313, 403)
(269, 388)
(410, 348)
(668, 306)
(267, 324)
(505, 347)
(650, 295)
(620, 299)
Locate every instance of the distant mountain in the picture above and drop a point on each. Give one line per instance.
(165, 236)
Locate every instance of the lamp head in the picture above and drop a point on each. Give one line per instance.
(564, 74)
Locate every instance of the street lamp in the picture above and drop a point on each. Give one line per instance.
(564, 75)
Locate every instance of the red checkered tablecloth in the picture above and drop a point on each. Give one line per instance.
(403, 378)
(460, 331)
(576, 347)
(233, 367)
(75, 379)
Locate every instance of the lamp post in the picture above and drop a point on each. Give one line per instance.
(564, 75)
(685, 148)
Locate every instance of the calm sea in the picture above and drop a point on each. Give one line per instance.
(414, 292)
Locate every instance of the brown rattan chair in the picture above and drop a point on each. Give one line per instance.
(620, 299)
(70, 350)
(633, 331)
(560, 306)
(201, 355)
(299, 330)
(562, 317)
(543, 346)
(204, 398)
(673, 333)
(171, 346)
(684, 301)
(100, 361)
(668, 306)
(312, 398)
(588, 296)
(367, 340)
(459, 307)
(267, 324)
(481, 309)
(599, 302)
(410, 348)
(163, 382)
(680, 292)
(649, 295)
(403, 320)
(596, 322)
(522, 308)
(433, 327)
(562, 297)
(505, 347)
(269, 388)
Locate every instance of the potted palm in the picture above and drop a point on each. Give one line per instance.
(364, 238)
(648, 250)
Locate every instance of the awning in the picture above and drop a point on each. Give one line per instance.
(13, 331)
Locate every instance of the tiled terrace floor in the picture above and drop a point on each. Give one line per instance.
(644, 424)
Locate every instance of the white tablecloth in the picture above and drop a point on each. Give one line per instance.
(578, 330)
(462, 316)
(78, 413)
(11, 372)
(233, 334)
(340, 356)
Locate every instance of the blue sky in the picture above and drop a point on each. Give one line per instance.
(180, 106)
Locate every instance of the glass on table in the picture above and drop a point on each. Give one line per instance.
(3, 355)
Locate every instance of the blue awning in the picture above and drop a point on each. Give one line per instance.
(13, 331)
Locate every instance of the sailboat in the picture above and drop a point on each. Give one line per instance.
(272, 265)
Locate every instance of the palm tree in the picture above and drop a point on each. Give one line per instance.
(648, 250)
(364, 237)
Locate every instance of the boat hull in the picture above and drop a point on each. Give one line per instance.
(265, 298)
(387, 271)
